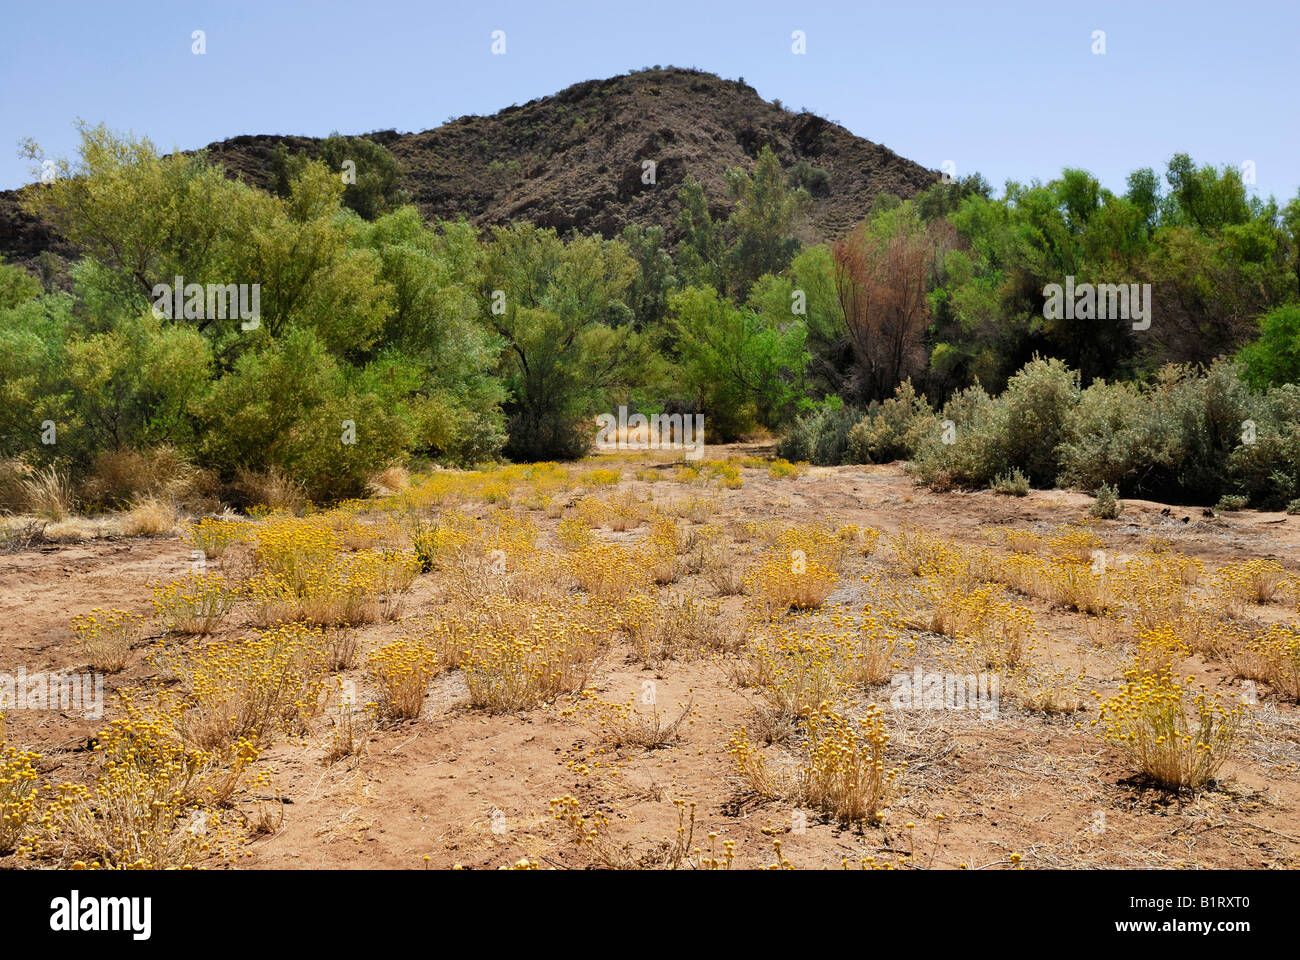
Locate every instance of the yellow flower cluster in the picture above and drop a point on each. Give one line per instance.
(402, 670)
(518, 655)
(845, 774)
(799, 570)
(107, 636)
(304, 575)
(1148, 720)
(252, 688)
(194, 604)
(214, 535)
(142, 811)
(17, 793)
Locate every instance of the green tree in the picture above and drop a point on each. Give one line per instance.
(560, 310)
(738, 366)
(1275, 357)
(763, 222)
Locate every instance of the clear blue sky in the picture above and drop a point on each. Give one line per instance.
(1012, 90)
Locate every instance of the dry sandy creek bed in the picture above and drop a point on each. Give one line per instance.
(458, 786)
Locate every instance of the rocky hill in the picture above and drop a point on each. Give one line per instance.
(574, 160)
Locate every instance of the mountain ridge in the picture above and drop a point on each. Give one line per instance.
(573, 160)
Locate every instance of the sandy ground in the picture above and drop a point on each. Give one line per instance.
(459, 787)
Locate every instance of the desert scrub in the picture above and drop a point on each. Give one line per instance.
(139, 812)
(799, 571)
(215, 536)
(676, 629)
(402, 671)
(780, 468)
(1278, 654)
(194, 604)
(1012, 484)
(1107, 505)
(862, 539)
(363, 587)
(107, 636)
(794, 673)
(1249, 582)
(1147, 719)
(609, 571)
(626, 725)
(591, 832)
(523, 655)
(844, 774)
(602, 477)
(18, 793)
(1083, 587)
(254, 688)
(875, 658)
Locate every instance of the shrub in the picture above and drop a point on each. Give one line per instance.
(893, 428)
(139, 811)
(194, 604)
(1113, 438)
(1231, 502)
(1147, 719)
(1014, 483)
(402, 670)
(107, 636)
(253, 688)
(18, 791)
(1275, 357)
(844, 775)
(1107, 505)
(821, 436)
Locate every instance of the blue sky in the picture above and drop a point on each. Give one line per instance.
(1012, 90)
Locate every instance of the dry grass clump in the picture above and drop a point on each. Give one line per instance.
(609, 571)
(301, 573)
(1043, 690)
(1148, 720)
(120, 477)
(253, 688)
(723, 573)
(402, 670)
(389, 481)
(47, 493)
(844, 774)
(215, 535)
(1275, 659)
(794, 674)
(149, 516)
(155, 802)
(271, 488)
(107, 636)
(591, 833)
(875, 659)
